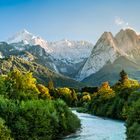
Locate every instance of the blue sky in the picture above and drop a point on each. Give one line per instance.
(70, 19)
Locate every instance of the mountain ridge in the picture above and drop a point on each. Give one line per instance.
(99, 58)
(78, 59)
(68, 56)
(41, 73)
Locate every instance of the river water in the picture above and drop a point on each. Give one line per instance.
(97, 128)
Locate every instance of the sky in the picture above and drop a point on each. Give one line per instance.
(68, 19)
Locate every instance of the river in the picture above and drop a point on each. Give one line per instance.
(97, 128)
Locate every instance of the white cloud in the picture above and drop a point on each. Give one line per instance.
(121, 22)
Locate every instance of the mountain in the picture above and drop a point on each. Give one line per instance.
(80, 60)
(26, 37)
(103, 52)
(33, 53)
(41, 73)
(129, 42)
(105, 61)
(68, 56)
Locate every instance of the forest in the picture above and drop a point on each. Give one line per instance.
(30, 110)
(120, 101)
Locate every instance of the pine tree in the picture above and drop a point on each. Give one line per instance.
(123, 76)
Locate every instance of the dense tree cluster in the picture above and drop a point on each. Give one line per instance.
(121, 101)
(5, 133)
(133, 122)
(33, 111)
(28, 111)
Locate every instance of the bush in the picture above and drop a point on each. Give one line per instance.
(5, 133)
(133, 132)
(20, 86)
(133, 122)
(69, 122)
(44, 92)
(38, 119)
(27, 115)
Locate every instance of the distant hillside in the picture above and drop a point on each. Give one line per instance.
(110, 72)
(42, 73)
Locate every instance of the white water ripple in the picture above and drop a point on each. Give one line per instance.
(96, 128)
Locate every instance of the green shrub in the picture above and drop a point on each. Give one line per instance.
(38, 119)
(5, 133)
(133, 122)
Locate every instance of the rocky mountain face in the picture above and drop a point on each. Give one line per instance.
(129, 42)
(110, 72)
(110, 49)
(27, 52)
(67, 56)
(80, 60)
(104, 51)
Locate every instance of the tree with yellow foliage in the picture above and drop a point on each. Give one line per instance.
(86, 97)
(21, 85)
(44, 91)
(105, 92)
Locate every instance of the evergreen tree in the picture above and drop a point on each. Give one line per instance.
(123, 76)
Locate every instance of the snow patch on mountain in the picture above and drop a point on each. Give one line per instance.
(26, 37)
(70, 51)
(63, 50)
(23, 35)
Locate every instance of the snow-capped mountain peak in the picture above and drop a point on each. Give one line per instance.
(70, 51)
(67, 55)
(24, 31)
(28, 38)
(21, 36)
(80, 58)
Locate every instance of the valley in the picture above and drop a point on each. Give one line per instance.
(80, 60)
(69, 70)
(101, 79)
